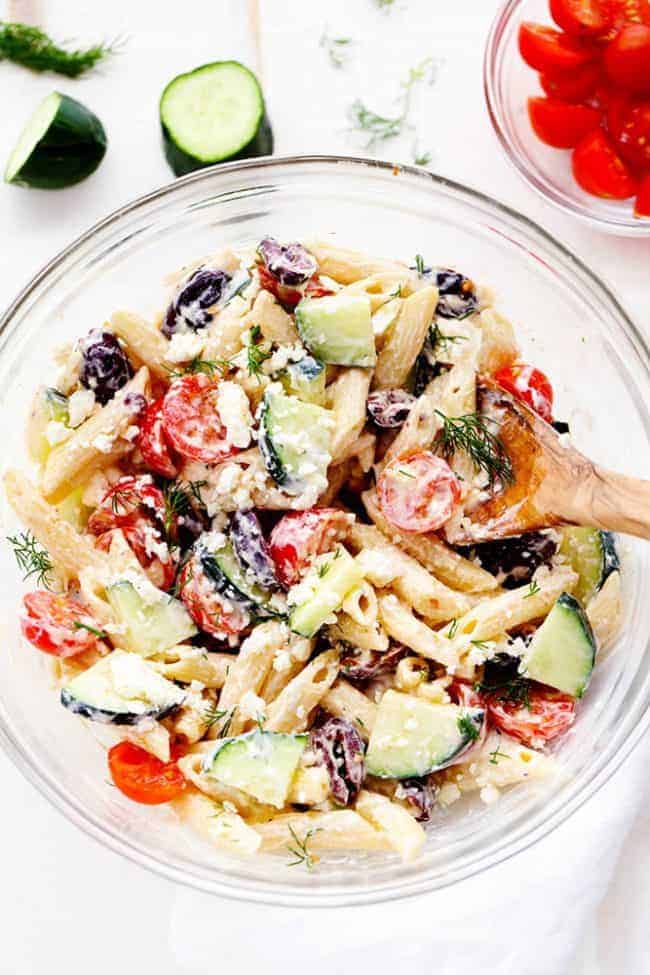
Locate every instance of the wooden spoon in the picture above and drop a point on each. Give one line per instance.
(553, 483)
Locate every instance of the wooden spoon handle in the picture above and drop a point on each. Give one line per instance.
(611, 501)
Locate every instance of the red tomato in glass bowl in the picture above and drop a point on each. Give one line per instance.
(529, 385)
(642, 204)
(142, 777)
(559, 124)
(152, 444)
(576, 87)
(299, 536)
(418, 493)
(210, 610)
(548, 715)
(191, 420)
(552, 52)
(599, 170)
(628, 123)
(627, 58)
(597, 18)
(59, 624)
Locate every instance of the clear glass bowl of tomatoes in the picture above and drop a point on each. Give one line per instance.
(567, 84)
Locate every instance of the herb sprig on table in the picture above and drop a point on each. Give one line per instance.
(380, 128)
(33, 560)
(338, 49)
(33, 48)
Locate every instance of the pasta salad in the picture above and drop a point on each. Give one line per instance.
(247, 533)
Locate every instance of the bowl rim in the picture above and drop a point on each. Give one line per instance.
(252, 889)
(624, 226)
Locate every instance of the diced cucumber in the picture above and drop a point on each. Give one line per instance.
(592, 554)
(152, 620)
(323, 590)
(295, 439)
(338, 329)
(412, 737)
(224, 570)
(73, 510)
(49, 405)
(121, 689)
(563, 650)
(260, 763)
(211, 114)
(306, 380)
(62, 143)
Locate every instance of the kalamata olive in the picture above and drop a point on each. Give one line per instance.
(457, 296)
(362, 665)
(561, 426)
(291, 263)
(389, 408)
(340, 748)
(251, 548)
(191, 522)
(515, 560)
(105, 367)
(189, 309)
(420, 794)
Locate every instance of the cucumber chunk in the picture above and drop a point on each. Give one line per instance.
(563, 650)
(338, 329)
(592, 554)
(224, 569)
(412, 737)
(294, 439)
(212, 114)
(49, 405)
(260, 763)
(306, 380)
(121, 689)
(62, 143)
(152, 620)
(323, 590)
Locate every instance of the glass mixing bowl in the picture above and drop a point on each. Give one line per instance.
(509, 82)
(570, 325)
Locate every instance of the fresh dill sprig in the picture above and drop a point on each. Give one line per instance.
(453, 626)
(177, 496)
(380, 128)
(212, 714)
(197, 364)
(419, 265)
(255, 355)
(32, 558)
(440, 342)
(337, 48)
(182, 579)
(100, 634)
(420, 158)
(32, 48)
(324, 569)
(480, 645)
(515, 690)
(533, 589)
(225, 731)
(397, 293)
(467, 727)
(405, 473)
(471, 434)
(496, 755)
(300, 851)
(384, 4)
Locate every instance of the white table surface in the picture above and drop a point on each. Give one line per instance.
(54, 915)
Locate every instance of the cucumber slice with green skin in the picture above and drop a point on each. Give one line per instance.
(338, 329)
(121, 689)
(562, 651)
(260, 763)
(325, 586)
(49, 405)
(412, 737)
(306, 380)
(152, 620)
(592, 554)
(225, 571)
(294, 439)
(62, 143)
(213, 114)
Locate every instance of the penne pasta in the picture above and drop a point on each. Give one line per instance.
(144, 340)
(221, 827)
(405, 340)
(345, 701)
(405, 835)
(342, 829)
(290, 711)
(347, 397)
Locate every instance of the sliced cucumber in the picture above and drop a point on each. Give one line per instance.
(338, 329)
(323, 590)
(211, 114)
(306, 380)
(563, 650)
(152, 621)
(62, 143)
(73, 510)
(121, 689)
(49, 406)
(294, 439)
(260, 763)
(412, 737)
(225, 571)
(592, 554)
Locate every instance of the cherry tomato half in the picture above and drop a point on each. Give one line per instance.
(211, 611)
(627, 58)
(59, 624)
(628, 123)
(548, 50)
(152, 443)
(418, 493)
(142, 777)
(301, 535)
(576, 87)
(191, 420)
(642, 204)
(548, 715)
(596, 18)
(599, 170)
(289, 297)
(559, 124)
(529, 385)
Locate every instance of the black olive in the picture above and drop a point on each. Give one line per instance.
(516, 559)
(105, 367)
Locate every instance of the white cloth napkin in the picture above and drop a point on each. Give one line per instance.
(526, 915)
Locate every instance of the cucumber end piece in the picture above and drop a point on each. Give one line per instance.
(33, 132)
